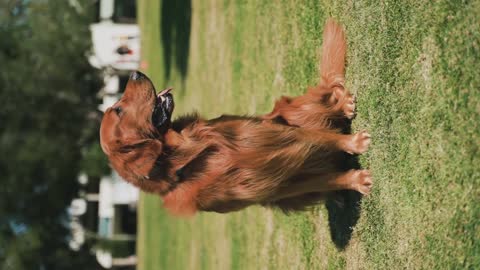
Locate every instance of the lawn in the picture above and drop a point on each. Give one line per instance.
(414, 66)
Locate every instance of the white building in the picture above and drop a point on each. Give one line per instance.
(108, 213)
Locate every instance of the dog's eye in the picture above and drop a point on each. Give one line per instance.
(118, 110)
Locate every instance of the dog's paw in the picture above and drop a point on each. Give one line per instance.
(359, 143)
(349, 107)
(362, 181)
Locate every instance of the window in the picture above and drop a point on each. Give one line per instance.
(125, 11)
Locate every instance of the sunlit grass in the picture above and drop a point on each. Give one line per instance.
(414, 66)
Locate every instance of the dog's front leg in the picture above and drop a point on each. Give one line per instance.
(351, 143)
(358, 180)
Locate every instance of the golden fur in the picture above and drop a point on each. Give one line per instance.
(289, 158)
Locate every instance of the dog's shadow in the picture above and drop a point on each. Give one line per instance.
(344, 206)
(175, 27)
(343, 214)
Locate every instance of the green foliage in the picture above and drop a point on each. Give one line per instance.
(47, 89)
(95, 163)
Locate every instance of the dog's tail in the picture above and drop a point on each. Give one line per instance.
(332, 66)
(322, 105)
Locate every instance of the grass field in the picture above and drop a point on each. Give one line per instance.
(415, 67)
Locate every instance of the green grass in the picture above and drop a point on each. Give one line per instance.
(414, 66)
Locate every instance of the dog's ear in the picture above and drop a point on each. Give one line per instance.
(135, 160)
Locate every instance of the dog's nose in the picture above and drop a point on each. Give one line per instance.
(137, 75)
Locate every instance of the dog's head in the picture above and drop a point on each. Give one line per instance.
(132, 132)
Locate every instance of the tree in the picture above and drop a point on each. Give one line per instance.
(48, 117)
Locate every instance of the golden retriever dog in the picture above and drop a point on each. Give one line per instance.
(290, 158)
